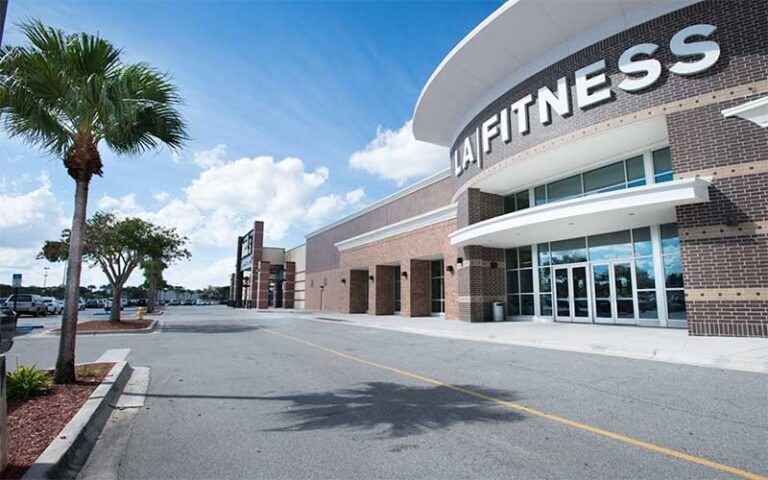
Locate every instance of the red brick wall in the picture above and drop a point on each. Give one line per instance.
(724, 242)
(428, 242)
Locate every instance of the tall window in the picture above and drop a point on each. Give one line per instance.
(519, 281)
(438, 286)
(516, 201)
(646, 280)
(545, 279)
(662, 165)
(673, 272)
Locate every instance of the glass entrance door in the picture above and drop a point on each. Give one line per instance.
(571, 294)
(613, 291)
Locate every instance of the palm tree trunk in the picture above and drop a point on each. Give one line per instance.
(65, 362)
(152, 293)
(117, 299)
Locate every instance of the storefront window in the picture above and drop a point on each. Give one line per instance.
(609, 246)
(641, 240)
(635, 172)
(520, 298)
(543, 249)
(568, 251)
(564, 189)
(673, 272)
(662, 165)
(438, 287)
(605, 179)
(628, 173)
(516, 201)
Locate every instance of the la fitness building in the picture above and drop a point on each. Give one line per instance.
(608, 165)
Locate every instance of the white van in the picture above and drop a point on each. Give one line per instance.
(30, 304)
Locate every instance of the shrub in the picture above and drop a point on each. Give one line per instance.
(28, 382)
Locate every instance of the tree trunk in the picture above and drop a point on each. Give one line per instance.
(117, 300)
(65, 362)
(152, 293)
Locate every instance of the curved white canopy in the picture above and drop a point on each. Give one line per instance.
(516, 41)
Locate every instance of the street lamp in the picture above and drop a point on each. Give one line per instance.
(45, 277)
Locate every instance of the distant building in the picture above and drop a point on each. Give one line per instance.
(267, 277)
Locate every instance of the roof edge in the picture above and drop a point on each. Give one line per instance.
(423, 183)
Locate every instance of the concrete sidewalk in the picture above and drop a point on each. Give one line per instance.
(659, 344)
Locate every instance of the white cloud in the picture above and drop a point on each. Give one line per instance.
(161, 196)
(397, 156)
(211, 158)
(28, 219)
(200, 275)
(281, 193)
(124, 206)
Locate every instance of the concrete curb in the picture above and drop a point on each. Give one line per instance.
(677, 358)
(70, 449)
(151, 328)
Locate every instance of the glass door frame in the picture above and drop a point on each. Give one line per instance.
(614, 319)
(572, 318)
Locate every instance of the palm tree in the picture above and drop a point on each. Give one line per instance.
(69, 94)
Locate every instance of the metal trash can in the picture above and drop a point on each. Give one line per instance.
(498, 312)
(7, 328)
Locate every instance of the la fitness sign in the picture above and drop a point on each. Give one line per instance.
(591, 87)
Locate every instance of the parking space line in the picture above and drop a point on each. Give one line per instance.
(534, 412)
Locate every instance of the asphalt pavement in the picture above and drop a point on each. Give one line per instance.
(240, 394)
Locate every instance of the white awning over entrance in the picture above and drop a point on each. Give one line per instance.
(588, 215)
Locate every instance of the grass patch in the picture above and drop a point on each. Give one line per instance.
(87, 371)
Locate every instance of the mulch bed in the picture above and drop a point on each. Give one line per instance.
(106, 325)
(33, 424)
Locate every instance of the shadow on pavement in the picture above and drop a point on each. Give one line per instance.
(389, 409)
(207, 328)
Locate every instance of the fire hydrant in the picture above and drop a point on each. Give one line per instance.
(140, 313)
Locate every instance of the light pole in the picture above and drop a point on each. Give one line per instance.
(45, 277)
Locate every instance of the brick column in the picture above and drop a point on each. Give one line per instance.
(481, 282)
(260, 286)
(420, 304)
(723, 242)
(289, 285)
(237, 292)
(257, 250)
(232, 285)
(381, 299)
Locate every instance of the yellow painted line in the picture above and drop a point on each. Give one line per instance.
(537, 413)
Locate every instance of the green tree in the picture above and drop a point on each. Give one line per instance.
(69, 94)
(118, 247)
(165, 248)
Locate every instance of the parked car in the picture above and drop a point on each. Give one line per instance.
(200, 301)
(189, 302)
(93, 303)
(28, 304)
(54, 306)
(174, 302)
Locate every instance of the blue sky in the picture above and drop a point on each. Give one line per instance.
(328, 85)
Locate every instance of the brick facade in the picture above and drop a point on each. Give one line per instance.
(723, 242)
(411, 251)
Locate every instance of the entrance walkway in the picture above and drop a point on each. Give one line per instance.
(660, 344)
